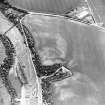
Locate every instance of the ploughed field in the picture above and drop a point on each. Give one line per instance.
(47, 6)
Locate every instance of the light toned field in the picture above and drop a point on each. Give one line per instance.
(85, 46)
(2, 52)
